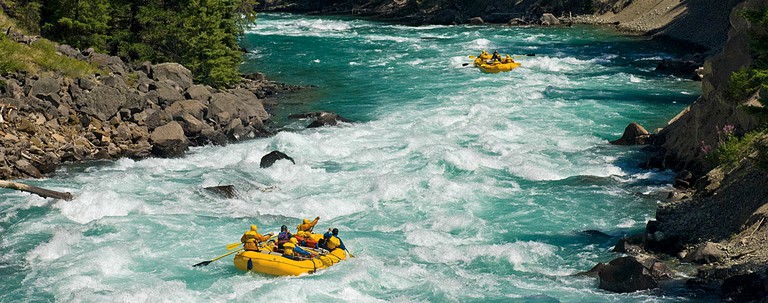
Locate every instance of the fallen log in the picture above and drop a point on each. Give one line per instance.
(45, 193)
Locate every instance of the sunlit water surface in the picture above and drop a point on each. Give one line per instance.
(451, 186)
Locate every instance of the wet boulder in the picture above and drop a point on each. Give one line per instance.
(272, 157)
(630, 274)
(634, 134)
(321, 118)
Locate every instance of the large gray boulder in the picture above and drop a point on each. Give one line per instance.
(47, 89)
(169, 141)
(244, 105)
(113, 63)
(191, 107)
(102, 102)
(172, 72)
(166, 94)
(158, 118)
(198, 92)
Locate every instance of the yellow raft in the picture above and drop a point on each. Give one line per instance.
(276, 264)
(506, 65)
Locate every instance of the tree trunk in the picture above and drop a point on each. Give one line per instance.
(45, 193)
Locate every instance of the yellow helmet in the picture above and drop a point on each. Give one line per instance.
(254, 227)
(306, 221)
(294, 241)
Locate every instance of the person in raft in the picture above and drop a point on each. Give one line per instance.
(283, 237)
(495, 57)
(291, 249)
(307, 225)
(332, 240)
(252, 237)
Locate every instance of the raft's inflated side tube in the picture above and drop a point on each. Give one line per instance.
(278, 265)
(498, 67)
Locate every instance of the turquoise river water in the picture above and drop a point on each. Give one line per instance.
(451, 185)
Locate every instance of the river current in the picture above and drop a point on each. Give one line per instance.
(452, 185)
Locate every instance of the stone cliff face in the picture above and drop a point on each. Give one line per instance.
(686, 141)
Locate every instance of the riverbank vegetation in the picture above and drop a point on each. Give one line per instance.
(745, 83)
(200, 34)
(38, 56)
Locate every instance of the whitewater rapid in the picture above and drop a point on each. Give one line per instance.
(450, 186)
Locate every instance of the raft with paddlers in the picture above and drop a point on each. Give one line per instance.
(495, 63)
(286, 254)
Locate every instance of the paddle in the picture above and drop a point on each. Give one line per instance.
(350, 254)
(204, 263)
(234, 245)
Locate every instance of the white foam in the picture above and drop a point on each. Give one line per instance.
(96, 204)
(58, 246)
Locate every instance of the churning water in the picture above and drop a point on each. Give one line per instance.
(451, 186)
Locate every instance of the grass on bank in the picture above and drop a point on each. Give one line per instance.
(38, 57)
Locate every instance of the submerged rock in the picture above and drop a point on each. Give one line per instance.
(272, 157)
(226, 191)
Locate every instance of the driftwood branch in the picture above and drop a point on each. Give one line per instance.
(45, 193)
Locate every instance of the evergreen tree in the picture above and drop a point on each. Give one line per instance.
(81, 23)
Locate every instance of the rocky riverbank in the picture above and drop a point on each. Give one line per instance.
(123, 111)
(715, 219)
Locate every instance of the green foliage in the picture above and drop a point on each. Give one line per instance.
(40, 56)
(748, 80)
(44, 55)
(80, 23)
(8, 62)
(734, 149)
(200, 34)
(26, 13)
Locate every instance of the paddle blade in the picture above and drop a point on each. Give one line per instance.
(530, 55)
(232, 246)
(465, 64)
(204, 263)
(472, 57)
